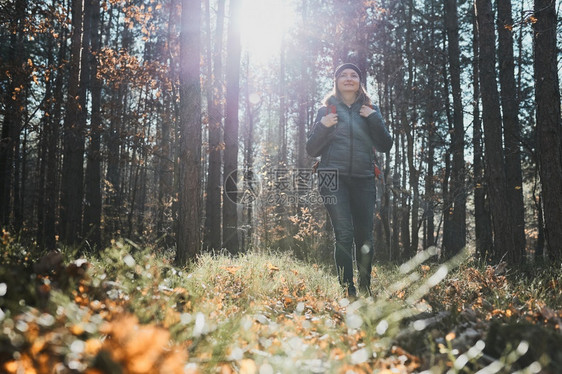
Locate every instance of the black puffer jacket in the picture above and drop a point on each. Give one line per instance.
(348, 146)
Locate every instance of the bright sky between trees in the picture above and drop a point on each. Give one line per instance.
(264, 23)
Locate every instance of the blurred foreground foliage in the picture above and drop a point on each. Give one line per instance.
(129, 310)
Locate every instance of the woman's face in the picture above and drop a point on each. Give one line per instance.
(348, 81)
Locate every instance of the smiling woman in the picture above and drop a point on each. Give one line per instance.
(264, 23)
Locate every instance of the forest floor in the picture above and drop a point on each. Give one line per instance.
(130, 310)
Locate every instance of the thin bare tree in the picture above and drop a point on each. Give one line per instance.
(189, 168)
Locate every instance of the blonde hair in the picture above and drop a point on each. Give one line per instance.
(362, 96)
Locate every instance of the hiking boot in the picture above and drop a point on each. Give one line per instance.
(365, 291)
(351, 292)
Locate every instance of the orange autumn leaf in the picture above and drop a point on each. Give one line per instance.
(171, 318)
(23, 365)
(231, 269)
(248, 366)
(93, 346)
(11, 366)
(141, 348)
(93, 371)
(272, 267)
(37, 346)
(77, 329)
(336, 354)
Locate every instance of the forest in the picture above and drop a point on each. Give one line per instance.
(122, 119)
(180, 126)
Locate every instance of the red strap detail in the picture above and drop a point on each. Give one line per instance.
(378, 171)
(332, 109)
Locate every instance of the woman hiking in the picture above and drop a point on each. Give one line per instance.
(346, 132)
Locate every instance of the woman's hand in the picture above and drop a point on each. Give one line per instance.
(365, 111)
(330, 119)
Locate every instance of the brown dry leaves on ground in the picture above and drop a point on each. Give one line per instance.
(268, 314)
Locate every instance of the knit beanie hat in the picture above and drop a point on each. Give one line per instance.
(347, 65)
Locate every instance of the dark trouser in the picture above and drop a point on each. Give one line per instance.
(351, 207)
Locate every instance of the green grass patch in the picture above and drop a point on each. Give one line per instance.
(129, 310)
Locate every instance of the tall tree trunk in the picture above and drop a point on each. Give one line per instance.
(52, 182)
(382, 224)
(230, 214)
(410, 132)
(249, 176)
(113, 172)
(429, 234)
(539, 245)
(12, 124)
(395, 241)
(482, 220)
(512, 132)
(457, 223)
(491, 116)
(305, 84)
(302, 119)
(92, 209)
(403, 106)
(215, 109)
(72, 171)
(548, 131)
(49, 135)
(46, 124)
(20, 176)
(189, 212)
(166, 159)
(447, 210)
(431, 110)
(405, 202)
(282, 155)
(85, 72)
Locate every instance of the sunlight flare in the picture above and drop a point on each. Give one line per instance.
(264, 24)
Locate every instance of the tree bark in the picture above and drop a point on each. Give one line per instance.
(189, 212)
(166, 159)
(430, 116)
(14, 97)
(230, 214)
(457, 223)
(396, 189)
(482, 220)
(249, 175)
(73, 169)
(215, 109)
(548, 131)
(491, 116)
(282, 135)
(447, 210)
(93, 206)
(405, 202)
(512, 132)
(429, 231)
